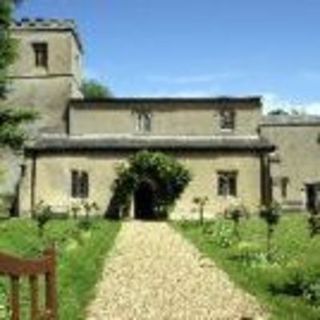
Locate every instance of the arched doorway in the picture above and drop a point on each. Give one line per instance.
(144, 201)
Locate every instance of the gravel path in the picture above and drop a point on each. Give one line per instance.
(154, 273)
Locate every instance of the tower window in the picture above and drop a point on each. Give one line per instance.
(227, 119)
(40, 54)
(143, 122)
(284, 187)
(79, 184)
(227, 183)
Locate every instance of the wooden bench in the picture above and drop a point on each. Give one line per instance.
(16, 268)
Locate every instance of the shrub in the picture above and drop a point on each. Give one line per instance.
(300, 283)
(271, 215)
(236, 212)
(201, 203)
(75, 209)
(250, 254)
(222, 235)
(314, 224)
(169, 176)
(89, 207)
(42, 214)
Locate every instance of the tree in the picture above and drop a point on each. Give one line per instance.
(11, 132)
(94, 89)
(278, 112)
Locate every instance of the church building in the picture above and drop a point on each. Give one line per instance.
(80, 142)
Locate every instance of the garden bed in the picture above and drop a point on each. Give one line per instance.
(288, 284)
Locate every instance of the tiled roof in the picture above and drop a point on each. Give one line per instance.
(160, 101)
(155, 143)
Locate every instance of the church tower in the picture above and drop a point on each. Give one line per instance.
(47, 72)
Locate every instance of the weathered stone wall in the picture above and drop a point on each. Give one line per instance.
(167, 119)
(47, 90)
(53, 180)
(297, 158)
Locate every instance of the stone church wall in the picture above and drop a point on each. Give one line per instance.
(53, 180)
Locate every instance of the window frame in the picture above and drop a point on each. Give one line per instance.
(41, 54)
(80, 184)
(284, 184)
(230, 178)
(144, 122)
(227, 120)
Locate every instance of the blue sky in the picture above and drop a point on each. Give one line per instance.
(199, 47)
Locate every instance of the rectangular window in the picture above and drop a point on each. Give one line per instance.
(79, 184)
(40, 54)
(227, 183)
(143, 122)
(284, 187)
(227, 119)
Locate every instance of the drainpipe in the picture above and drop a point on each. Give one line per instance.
(33, 180)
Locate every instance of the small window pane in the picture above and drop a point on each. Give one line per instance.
(74, 183)
(84, 185)
(143, 122)
(227, 184)
(227, 119)
(79, 184)
(284, 187)
(41, 54)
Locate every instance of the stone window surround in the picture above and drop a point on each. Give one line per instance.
(41, 54)
(227, 183)
(79, 184)
(227, 118)
(143, 121)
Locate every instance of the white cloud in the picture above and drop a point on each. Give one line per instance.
(272, 101)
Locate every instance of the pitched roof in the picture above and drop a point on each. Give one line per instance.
(291, 120)
(253, 101)
(79, 143)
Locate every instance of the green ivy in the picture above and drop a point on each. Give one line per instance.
(168, 175)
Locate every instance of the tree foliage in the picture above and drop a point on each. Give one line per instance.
(11, 132)
(94, 89)
(168, 175)
(278, 112)
(7, 44)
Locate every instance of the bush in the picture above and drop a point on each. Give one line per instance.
(222, 235)
(201, 203)
(236, 212)
(250, 255)
(314, 224)
(42, 214)
(271, 215)
(168, 176)
(300, 283)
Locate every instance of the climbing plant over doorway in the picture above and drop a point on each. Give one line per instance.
(169, 177)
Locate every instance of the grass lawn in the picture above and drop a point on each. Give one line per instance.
(289, 285)
(81, 254)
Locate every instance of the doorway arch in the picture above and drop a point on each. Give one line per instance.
(144, 200)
